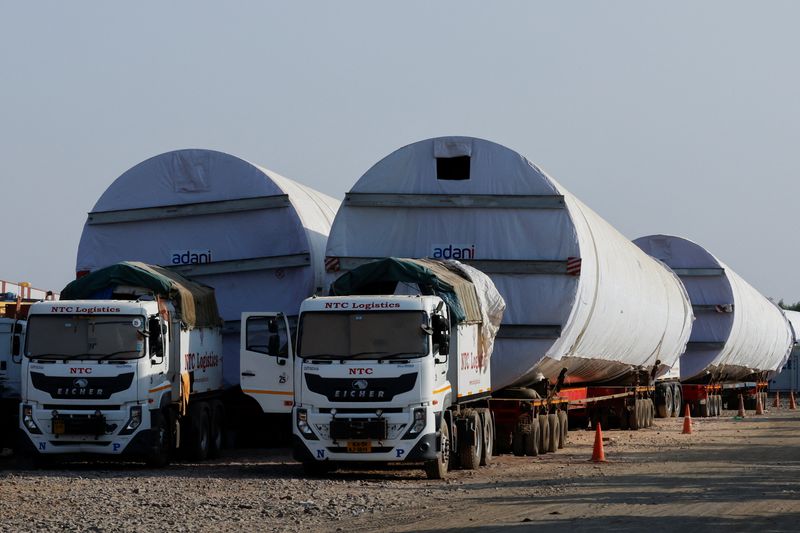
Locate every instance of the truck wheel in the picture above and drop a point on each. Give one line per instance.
(437, 469)
(664, 403)
(216, 433)
(488, 436)
(159, 456)
(531, 440)
(470, 452)
(518, 442)
(555, 433)
(199, 437)
(544, 434)
(563, 422)
(634, 414)
(677, 400)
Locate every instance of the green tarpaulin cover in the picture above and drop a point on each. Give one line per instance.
(432, 277)
(196, 302)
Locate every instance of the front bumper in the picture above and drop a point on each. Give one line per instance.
(109, 442)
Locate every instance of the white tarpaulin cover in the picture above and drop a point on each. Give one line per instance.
(737, 331)
(491, 303)
(486, 205)
(255, 236)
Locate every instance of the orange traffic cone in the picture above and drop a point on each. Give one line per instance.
(741, 406)
(792, 405)
(687, 422)
(598, 455)
(759, 405)
(777, 403)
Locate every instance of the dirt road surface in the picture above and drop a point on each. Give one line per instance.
(729, 475)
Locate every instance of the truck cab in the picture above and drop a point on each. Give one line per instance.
(374, 376)
(93, 371)
(12, 336)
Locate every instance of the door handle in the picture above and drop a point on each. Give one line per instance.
(251, 374)
(281, 361)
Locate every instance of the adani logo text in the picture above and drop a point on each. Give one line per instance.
(453, 251)
(190, 257)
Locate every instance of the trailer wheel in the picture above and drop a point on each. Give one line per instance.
(518, 442)
(531, 440)
(634, 415)
(544, 434)
(488, 436)
(437, 469)
(677, 400)
(199, 437)
(555, 433)
(216, 434)
(470, 452)
(563, 421)
(704, 409)
(651, 411)
(664, 402)
(719, 404)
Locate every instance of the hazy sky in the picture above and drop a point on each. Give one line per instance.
(664, 117)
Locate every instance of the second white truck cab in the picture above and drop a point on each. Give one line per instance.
(385, 379)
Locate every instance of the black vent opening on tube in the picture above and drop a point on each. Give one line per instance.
(452, 168)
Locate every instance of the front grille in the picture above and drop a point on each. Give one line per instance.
(72, 388)
(360, 389)
(359, 428)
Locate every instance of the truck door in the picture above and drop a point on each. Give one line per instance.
(267, 361)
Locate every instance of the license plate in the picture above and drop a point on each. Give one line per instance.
(359, 446)
(59, 428)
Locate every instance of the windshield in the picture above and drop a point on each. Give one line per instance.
(85, 337)
(370, 335)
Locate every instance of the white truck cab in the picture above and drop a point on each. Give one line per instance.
(12, 337)
(374, 376)
(99, 376)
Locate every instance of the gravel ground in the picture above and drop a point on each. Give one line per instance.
(742, 473)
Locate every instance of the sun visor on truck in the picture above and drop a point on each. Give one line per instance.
(432, 277)
(197, 303)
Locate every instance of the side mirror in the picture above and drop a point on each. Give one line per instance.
(274, 344)
(15, 348)
(272, 325)
(156, 342)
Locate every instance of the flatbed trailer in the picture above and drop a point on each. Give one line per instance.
(710, 398)
(625, 407)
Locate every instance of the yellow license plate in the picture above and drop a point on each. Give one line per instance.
(359, 446)
(59, 427)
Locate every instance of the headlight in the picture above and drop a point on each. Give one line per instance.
(134, 421)
(28, 421)
(302, 425)
(417, 423)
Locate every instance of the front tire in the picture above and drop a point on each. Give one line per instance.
(437, 469)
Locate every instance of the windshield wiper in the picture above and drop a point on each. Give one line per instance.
(57, 356)
(391, 355)
(112, 354)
